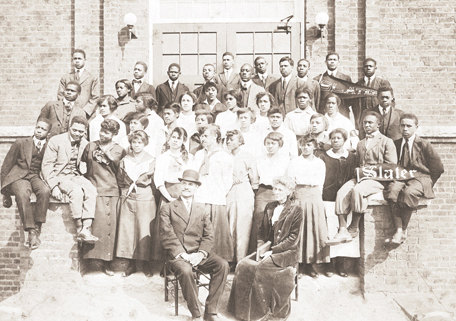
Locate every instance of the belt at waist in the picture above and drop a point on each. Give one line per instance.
(305, 186)
(240, 182)
(266, 186)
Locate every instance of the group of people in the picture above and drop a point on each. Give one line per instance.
(203, 179)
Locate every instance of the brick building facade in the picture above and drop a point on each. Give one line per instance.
(413, 41)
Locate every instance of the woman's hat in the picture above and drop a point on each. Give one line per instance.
(190, 175)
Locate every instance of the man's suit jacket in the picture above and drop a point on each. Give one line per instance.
(343, 108)
(183, 232)
(284, 235)
(53, 111)
(269, 80)
(228, 84)
(380, 150)
(376, 83)
(425, 161)
(251, 100)
(16, 164)
(314, 86)
(390, 125)
(144, 88)
(201, 95)
(57, 155)
(90, 90)
(165, 94)
(285, 98)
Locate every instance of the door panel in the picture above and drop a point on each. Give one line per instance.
(193, 45)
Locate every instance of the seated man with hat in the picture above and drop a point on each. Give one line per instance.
(187, 236)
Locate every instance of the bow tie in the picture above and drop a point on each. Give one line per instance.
(136, 81)
(75, 143)
(369, 136)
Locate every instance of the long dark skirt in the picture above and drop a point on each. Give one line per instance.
(158, 253)
(104, 227)
(223, 242)
(261, 290)
(314, 231)
(262, 198)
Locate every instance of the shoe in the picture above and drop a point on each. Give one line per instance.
(311, 272)
(354, 232)
(329, 274)
(211, 317)
(86, 236)
(107, 270)
(33, 240)
(148, 272)
(398, 238)
(341, 237)
(130, 270)
(197, 318)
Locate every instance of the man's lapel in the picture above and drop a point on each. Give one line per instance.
(416, 149)
(195, 212)
(83, 77)
(375, 141)
(181, 211)
(28, 150)
(291, 84)
(58, 108)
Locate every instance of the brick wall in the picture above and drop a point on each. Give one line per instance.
(426, 261)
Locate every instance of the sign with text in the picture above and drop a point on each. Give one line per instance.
(384, 172)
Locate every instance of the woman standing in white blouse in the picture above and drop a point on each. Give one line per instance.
(272, 165)
(309, 173)
(168, 168)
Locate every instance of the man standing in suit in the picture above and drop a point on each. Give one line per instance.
(228, 78)
(187, 236)
(171, 89)
(248, 88)
(90, 87)
(352, 196)
(283, 90)
(262, 78)
(60, 171)
(390, 121)
(418, 155)
(209, 75)
(61, 112)
(139, 84)
(303, 68)
(332, 64)
(20, 177)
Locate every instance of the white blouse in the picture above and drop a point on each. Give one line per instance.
(308, 172)
(168, 168)
(271, 167)
(95, 127)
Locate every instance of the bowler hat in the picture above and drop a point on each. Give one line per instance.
(191, 176)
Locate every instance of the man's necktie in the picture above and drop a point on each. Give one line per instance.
(39, 145)
(135, 81)
(405, 159)
(368, 81)
(384, 112)
(77, 75)
(75, 143)
(173, 86)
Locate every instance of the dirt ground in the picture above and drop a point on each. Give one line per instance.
(97, 297)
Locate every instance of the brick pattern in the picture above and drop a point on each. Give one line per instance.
(426, 262)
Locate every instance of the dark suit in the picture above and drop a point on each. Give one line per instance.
(166, 95)
(227, 84)
(201, 95)
(285, 97)
(269, 80)
(343, 108)
(183, 232)
(144, 88)
(54, 111)
(90, 90)
(284, 234)
(389, 123)
(18, 179)
(251, 93)
(314, 86)
(368, 102)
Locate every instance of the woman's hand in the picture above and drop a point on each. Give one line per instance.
(266, 254)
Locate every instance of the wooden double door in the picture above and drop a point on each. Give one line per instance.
(192, 45)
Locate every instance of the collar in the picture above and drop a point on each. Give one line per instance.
(170, 82)
(137, 81)
(380, 109)
(305, 78)
(366, 79)
(287, 78)
(68, 103)
(307, 110)
(263, 76)
(80, 71)
(213, 103)
(374, 134)
(246, 84)
(331, 154)
(410, 140)
(332, 73)
(36, 140)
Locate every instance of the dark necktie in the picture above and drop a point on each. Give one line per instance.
(39, 145)
(75, 143)
(136, 81)
(368, 81)
(405, 159)
(77, 75)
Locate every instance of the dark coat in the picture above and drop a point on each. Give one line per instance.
(228, 83)
(53, 111)
(269, 80)
(343, 108)
(389, 124)
(166, 95)
(144, 88)
(16, 164)
(181, 232)
(370, 102)
(284, 235)
(285, 98)
(426, 162)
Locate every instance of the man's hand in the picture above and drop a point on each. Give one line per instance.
(7, 201)
(57, 193)
(195, 258)
(266, 254)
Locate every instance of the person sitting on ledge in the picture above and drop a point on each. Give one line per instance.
(60, 170)
(20, 177)
(375, 149)
(416, 154)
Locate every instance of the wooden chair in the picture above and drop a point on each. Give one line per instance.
(172, 284)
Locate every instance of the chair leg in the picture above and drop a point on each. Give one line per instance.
(176, 297)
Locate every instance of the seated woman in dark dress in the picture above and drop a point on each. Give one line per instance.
(262, 290)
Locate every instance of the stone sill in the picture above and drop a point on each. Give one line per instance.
(378, 200)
